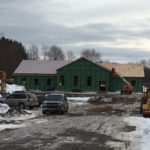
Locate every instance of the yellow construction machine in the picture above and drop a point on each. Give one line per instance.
(145, 104)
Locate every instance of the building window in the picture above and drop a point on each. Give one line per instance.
(48, 82)
(61, 80)
(36, 81)
(89, 81)
(23, 81)
(75, 81)
(133, 82)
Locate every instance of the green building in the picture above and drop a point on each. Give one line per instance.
(79, 75)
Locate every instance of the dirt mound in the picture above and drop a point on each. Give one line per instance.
(108, 110)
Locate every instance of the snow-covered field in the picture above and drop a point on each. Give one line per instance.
(140, 138)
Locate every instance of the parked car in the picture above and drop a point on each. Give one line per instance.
(21, 100)
(55, 102)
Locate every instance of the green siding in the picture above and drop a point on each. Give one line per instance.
(116, 83)
(30, 81)
(82, 68)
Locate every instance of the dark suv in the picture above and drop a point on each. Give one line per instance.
(21, 100)
(55, 102)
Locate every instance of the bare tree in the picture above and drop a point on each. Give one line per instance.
(91, 54)
(33, 53)
(45, 49)
(2, 35)
(55, 53)
(144, 62)
(70, 55)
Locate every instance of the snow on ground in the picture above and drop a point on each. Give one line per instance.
(13, 87)
(4, 108)
(78, 100)
(10, 126)
(13, 120)
(140, 138)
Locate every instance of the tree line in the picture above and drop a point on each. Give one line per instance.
(13, 52)
(56, 53)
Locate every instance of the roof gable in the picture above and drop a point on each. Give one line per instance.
(84, 59)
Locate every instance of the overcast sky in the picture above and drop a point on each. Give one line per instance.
(119, 29)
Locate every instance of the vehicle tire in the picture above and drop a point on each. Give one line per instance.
(39, 104)
(66, 109)
(30, 107)
(22, 106)
(43, 112)
(62, 110)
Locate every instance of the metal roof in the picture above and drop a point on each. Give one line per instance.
(126, 70)
(50, 67)
(39, 67)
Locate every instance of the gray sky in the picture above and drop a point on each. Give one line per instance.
(119, 29)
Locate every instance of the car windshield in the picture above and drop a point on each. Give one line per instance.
(54, 98)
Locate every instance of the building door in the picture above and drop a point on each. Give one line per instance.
(102, 86)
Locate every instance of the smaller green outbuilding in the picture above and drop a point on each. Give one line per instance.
(78, 76)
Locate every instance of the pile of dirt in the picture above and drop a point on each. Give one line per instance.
(105, 110)
(128, 128)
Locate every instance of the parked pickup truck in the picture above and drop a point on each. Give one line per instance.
(21, 100)
(55, 102)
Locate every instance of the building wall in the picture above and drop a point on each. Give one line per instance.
(83, 69)
(44, 81)
(116, 84)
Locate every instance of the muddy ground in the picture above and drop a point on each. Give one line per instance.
(97, 125)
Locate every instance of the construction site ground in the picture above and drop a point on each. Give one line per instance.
(96, 125)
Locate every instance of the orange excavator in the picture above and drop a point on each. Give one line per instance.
(127, 87)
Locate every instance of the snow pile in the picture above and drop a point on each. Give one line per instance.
(4, 108)
(11, 119)
(79, 100)
(13, 87)
(140, 138)
(10, 126)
